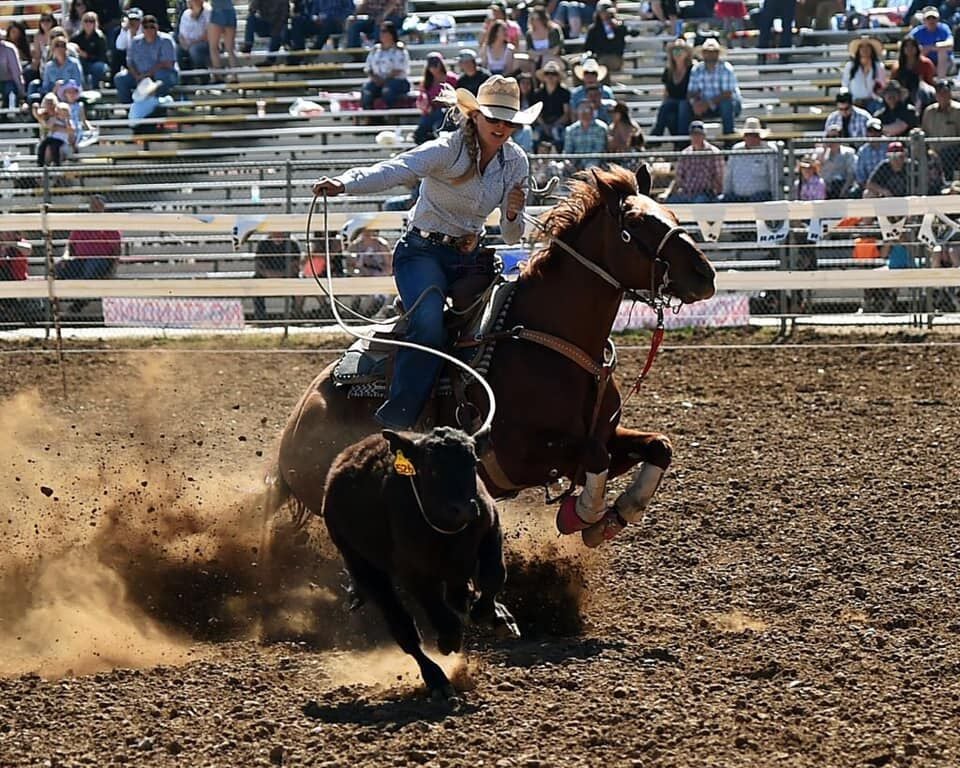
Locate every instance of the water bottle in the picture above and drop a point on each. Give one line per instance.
(254, 193)
(12, 102)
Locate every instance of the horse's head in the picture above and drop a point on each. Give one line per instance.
(445, 465)
(645, 248)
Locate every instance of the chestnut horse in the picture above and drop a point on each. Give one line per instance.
(558, 409)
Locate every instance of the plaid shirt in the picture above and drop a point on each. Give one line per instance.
(869, 156)
(382, 62)
(856, 128)
(591, 140)
(699, 170)
(709, 84)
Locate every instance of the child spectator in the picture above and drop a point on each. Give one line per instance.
(810, 185)
(83, 130)
(56, 130)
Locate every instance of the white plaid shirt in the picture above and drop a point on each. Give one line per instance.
(709, 84)
(857, 127)
(382, 62)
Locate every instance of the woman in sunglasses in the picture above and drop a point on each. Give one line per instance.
(61, 65)
(674, 111)
(464, 176)
(91, 46)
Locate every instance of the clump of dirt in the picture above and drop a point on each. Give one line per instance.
(546, 592)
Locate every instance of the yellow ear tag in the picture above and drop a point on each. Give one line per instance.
(403, 465)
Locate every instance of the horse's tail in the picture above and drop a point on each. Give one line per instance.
(279, 494)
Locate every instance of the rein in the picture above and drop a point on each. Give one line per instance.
(426, 518)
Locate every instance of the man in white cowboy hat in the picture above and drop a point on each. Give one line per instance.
(464, 176)
(591, 73)
(752, 174)
(713, 89)
(935, 39)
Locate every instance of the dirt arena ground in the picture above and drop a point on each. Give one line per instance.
(791, 601)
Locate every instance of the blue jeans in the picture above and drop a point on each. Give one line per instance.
(698, 197)
(392, 90)
(727, 111)
(198, 55)
(756, 197)
(420, 266)
(428, 125)
(260, 27)
(125, 84)
(304, 27)
(364, 25)
(94, 72)
(84, 269)
(785, 10)
(673, 115)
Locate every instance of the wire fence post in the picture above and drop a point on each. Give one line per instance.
(288, 208)
(51, 293)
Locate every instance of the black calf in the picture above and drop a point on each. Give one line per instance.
(410, 509)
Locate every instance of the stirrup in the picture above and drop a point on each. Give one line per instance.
(609, 527)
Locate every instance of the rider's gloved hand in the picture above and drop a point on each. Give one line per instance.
(331, 186)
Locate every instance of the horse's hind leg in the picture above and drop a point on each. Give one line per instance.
(628, 448)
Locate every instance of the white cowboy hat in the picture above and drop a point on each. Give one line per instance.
(146, 88)
(498, 98)
(387, 139)
(711, 44)
(753, 125)
(590, 65)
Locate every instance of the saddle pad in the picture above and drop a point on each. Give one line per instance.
(364, 365)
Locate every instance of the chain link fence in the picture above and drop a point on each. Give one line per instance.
(248, 190)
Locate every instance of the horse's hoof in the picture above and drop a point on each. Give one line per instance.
(446, 696)
(450, 642)
(609, 526)
(568, 521)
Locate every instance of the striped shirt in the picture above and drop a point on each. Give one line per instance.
(452, 209)
(699, 171)
(591, 140)
(856, 127)
(708, 84)
(381, 62)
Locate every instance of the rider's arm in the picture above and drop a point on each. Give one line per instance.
(403, 170)
(517, 171)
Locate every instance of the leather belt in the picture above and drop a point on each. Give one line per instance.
(462, 243)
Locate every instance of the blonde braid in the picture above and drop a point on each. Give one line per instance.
(471, 141)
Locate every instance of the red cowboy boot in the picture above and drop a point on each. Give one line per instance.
(609, 526)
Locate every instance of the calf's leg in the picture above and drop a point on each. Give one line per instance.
(491, 576)
(444, 619)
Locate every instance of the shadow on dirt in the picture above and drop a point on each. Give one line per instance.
(400, 711)
(554, 651)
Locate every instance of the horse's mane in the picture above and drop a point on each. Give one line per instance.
(582, 200)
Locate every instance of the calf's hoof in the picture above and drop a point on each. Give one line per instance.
(609, 527)
(568, 521)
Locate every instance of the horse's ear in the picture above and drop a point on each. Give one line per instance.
(398, 442)
(609, 196)
(644, 182)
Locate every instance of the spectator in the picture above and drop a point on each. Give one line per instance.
(14, 253)
(192, 35)
(544, 38)
(435, 75)
(700, 169)
(869, 155)
(373, 259)
(131, 28)
(587, 136)
(935, 40)
(751, 174)
(91, 254)
(601, 106)
(83, 131)
(889, 178)
(607, 37)
(277, 256)
(667, 13)
(266, 18)
(713, 88)
(897, 116)
(942, 120)
(370, 18)
(319, 19)
(496, 52)
(92, 48)
(731, 13)
(849, 119)
(591, 73)
(11, 76)
(810, 185)
(525, 81)
(109, 17)
(674, 110)
(71, 21)
(472, 76)
(865, 74)
(915, 72)
(555, 115)
(60, 67)
(41, 40)
(16, 35)
(785, 10)
(498, 12)
(387, 67)
(222, 28)
(624, 134)
(838, 164)
(151, 55)
(157, 9)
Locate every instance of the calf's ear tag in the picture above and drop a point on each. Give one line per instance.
(403, 465)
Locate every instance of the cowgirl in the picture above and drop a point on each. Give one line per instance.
(464, 175)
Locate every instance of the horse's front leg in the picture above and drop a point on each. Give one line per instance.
(587, 508)
(629, 448)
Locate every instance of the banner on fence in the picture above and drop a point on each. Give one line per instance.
(722, 311)
(221, 314)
